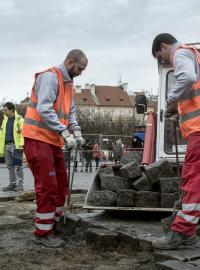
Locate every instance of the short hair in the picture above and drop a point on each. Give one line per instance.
(76, 55)
(162, 38)
(10, 106)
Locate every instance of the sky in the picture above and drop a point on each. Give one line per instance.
(116, 36)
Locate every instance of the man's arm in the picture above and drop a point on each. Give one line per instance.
(73, 124)
(184, 62)
(47, 90)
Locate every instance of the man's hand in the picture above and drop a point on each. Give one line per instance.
(78, 137)
(69, 139)
(171, 111)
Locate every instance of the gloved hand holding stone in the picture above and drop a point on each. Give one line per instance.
(171, 110)
(78, 137)
(69, 139)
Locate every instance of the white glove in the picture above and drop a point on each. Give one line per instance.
(69, 139)
(78, 137)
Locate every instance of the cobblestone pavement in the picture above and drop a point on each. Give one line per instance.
(82, 180)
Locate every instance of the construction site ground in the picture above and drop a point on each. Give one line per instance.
(93, 240)
(97, 240)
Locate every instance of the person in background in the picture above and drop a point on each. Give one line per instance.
(82, 157)
(118, 151)
(11, 146)
(88, 155)
(137, 142)
(97, 154)
(76, 158)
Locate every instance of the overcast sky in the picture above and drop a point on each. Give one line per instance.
(116, 35)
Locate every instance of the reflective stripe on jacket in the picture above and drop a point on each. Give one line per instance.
(17, 127)
(189, 107)
(34, 126)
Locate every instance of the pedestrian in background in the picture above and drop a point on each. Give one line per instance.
(11, 146)
(88, 155)
(184, 96)
(97, 154)
(75, 158)
(49, 122)
(137, 142)
(118, 151)
(82, 157)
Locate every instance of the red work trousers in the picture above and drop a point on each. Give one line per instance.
(46, 162)
(187, 219)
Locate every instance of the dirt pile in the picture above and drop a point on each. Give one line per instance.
(18, 252)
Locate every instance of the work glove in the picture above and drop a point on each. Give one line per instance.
(171, 111)
(78, 137)
(69, 139)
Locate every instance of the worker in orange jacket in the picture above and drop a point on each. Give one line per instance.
(185, 97)
(50, 121)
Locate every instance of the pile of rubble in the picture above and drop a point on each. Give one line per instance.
(132, 185)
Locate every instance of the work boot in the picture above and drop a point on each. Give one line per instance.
(49, 241)
(19, 188)
(174, 239)
(10, 187)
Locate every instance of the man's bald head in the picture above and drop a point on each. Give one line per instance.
(77, 55)
(75, 62)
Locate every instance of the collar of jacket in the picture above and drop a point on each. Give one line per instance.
(66, 77)
(173, 49)
(16, 115)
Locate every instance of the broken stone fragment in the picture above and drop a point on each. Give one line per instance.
(147, 199)
(158, 170)
(131, 156)
(130, 170)
(104, 198)
(106, 171)
(169, 184)
(102, 239)
(175, 265)
(26, 196)
(168, 199)
(114, 183)
(125, 197)
(142, 183)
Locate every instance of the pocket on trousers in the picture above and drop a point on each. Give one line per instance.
(17, 157)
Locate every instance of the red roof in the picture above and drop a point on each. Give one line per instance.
(112, 96)
(108, 96)
(132, 97)
(84, 98)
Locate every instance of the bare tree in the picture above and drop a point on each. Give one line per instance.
(103, 124)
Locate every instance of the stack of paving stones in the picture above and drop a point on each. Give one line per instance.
(177, 265)
(133, 185)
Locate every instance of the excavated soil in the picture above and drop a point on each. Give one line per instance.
(17, 251)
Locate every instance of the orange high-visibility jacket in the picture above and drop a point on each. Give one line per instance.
(34, 126)
(189, 107)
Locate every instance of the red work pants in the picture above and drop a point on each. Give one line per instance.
(46, 162)
(187, 219)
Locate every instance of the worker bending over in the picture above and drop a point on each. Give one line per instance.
(49, 121)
